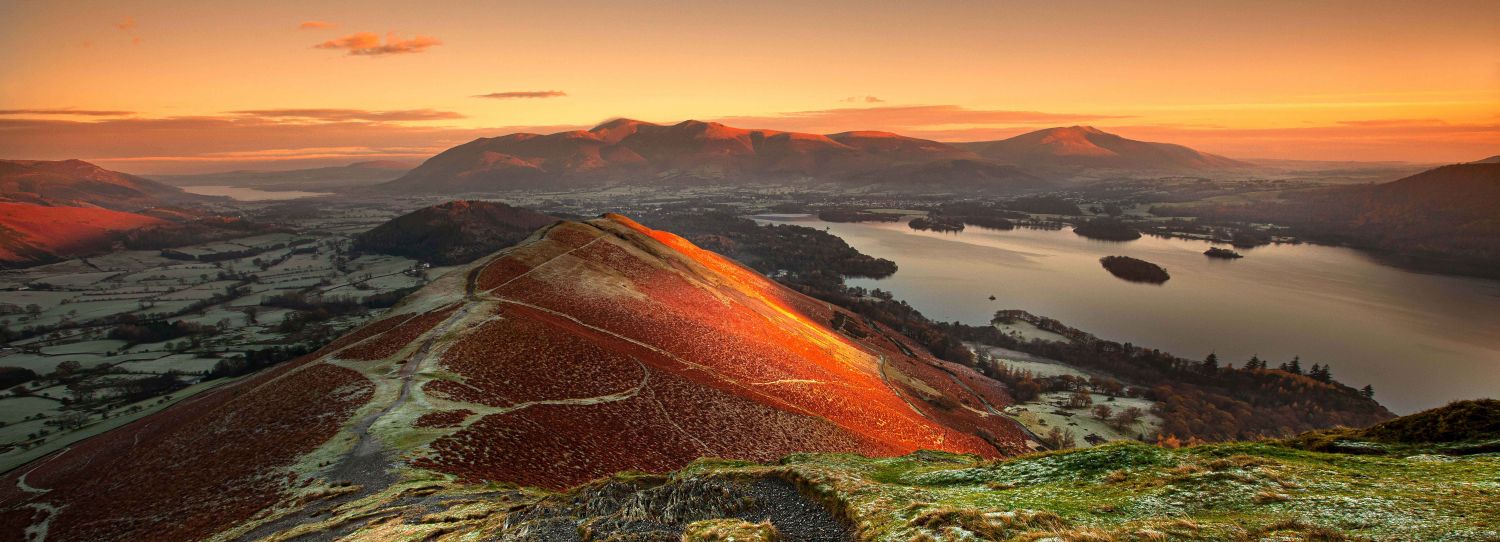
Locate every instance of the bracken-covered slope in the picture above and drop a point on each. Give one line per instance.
(592, 348)
(625, 150)
(33, 234)
(1090, 147)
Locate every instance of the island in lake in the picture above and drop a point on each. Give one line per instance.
(1224, 253)
(936, 223)
(1135, 270)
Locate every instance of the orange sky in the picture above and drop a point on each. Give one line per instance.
(196, 86)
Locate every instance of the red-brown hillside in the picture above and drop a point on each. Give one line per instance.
(591, 348)
(51, 210)
(631, 150)
(31, 234)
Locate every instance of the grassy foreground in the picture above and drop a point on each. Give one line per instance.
(1123, 491)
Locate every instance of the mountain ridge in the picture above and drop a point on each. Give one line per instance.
(688, 151)
(1090, 147)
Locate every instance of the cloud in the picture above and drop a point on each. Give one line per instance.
(223, 142)
(125, 25)
(315, 25)
(341, 115)
(865, 99)
(1387, 123)
(1417, 140)
(511, 95)
(918, 119)
(77, 112)
(368, 44)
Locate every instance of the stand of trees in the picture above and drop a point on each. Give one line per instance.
(1202, 399)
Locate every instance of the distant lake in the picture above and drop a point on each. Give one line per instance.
(250, 194)
(1420, 339)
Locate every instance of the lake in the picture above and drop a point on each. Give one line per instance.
(239, 193)
(1420, 339)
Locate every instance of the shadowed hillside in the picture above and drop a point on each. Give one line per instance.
(453, 233)
(1442, 218)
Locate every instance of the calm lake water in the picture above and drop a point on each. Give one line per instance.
(250, 194)
(1420, 339)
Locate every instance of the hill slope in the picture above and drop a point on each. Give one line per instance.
(1090, 147)
(1442, 218)
(52, 210)
(627, 150)
(453, 233)
(79, 183)
(36, 234)
(590, 349)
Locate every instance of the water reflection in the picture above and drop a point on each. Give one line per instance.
(1420, 339)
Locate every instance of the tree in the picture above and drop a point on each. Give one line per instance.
(1127, 418)
(1368, 391)
(1294, 366)
(1211, 363)
(1255, 363)
(1060, 439)
(66, 369)
(1027, 390)
(1080, 399)
(1321, 373)
(1103, 412)
(70, 420)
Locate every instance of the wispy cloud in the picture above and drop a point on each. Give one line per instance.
(865, 99)
(234, 141)
(515, 94)
(125, 25)
(315, 25)
(342, 115)
(76, 112)
(1397, 123)
(368, 44)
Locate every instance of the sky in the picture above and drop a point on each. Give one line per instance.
(171, 87)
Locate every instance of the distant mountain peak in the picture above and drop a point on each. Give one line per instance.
(1074, 147)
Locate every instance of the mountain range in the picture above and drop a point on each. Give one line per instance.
(591, 348)
(708, 152)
